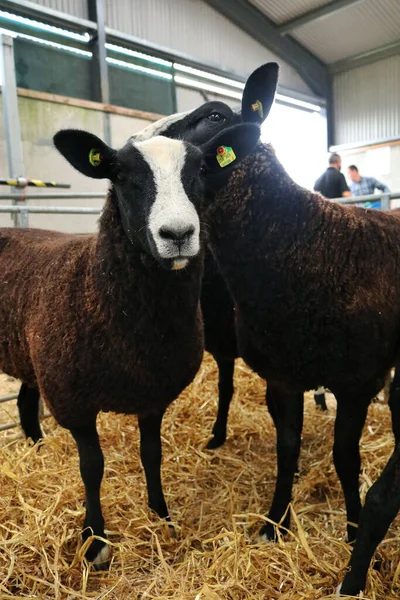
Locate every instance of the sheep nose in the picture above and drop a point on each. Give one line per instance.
(178, 235)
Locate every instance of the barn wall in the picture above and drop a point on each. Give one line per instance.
(77, 8)
(188, 26)
(193, 27)
(382, 162)
(367, 109)
(39, 121)
(366, 102)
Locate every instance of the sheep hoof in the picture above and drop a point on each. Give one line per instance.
(216, 442)
(101, 561)
(262, 539)
(268, 533)
(36, 443)
(172, 531)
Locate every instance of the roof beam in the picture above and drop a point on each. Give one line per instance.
(365, 58)
(317, 13)
(248, 18)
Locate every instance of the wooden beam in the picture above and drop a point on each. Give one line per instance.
(89, 104)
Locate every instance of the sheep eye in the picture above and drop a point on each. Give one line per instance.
(216, 117)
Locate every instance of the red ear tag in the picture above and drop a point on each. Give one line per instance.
(225, 155)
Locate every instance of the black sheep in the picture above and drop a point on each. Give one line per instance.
(316, 287)
(309, 274)
(111, 321)
(216, 301)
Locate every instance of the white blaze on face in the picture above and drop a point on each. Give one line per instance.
(172, 210)
(158, 127)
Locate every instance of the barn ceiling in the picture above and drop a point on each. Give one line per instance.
(335, 30)
(341, 34)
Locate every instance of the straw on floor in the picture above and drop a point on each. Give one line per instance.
(217, 500)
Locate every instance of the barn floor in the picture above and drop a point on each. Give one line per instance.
(217, 500)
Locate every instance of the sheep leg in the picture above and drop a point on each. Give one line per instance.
(91, 462)
(28, 408)
(287, 413)
(320, 399)
(382, 504)
(350, 419)
(272, 412)
(225, 388)
(386, 387)
(150, 454)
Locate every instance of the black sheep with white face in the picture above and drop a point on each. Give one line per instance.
(107, 325)
(217, 304)
(158, 186)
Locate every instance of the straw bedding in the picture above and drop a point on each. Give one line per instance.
(217, 501)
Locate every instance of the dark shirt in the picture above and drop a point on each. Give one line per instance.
(331, 184)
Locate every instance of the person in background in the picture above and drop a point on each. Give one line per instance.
(332, 183)
(362, 186)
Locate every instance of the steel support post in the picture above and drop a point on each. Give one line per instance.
(101, 86)
(385, 201)
(11, 119)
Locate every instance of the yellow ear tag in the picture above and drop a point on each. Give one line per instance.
(225, 156)
(258, 107)
(95, 157)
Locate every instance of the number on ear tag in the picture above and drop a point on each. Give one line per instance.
(258, 107)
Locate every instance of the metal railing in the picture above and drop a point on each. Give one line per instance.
(43, 210)
(385, 199)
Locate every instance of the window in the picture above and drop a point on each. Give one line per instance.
(300, 141)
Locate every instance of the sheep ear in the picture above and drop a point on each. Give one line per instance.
(86, 152)
(225, 150)
(259, 93)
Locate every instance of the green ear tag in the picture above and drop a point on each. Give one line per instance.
(225, 156)
(95, 157)
(258, 107)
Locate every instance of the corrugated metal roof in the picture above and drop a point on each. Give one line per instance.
(192, 25)
(352, 30)
(284, 10)
(356, 29)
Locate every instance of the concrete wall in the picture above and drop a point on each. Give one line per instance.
(39, 120)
